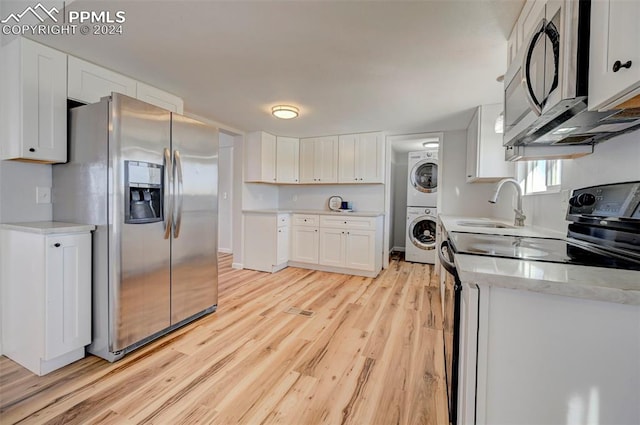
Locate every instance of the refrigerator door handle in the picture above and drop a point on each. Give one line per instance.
(177, 161)
(168, 196)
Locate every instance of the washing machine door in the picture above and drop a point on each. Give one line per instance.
(424, 175)
(422, 232)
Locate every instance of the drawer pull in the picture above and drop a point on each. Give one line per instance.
(57, 245)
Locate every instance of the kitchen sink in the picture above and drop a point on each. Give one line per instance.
(486, 224)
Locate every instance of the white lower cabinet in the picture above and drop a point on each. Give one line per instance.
(267, 241)
(304, 239)
(353, 249)
(521, 350)
(46, 294)
(338, 243)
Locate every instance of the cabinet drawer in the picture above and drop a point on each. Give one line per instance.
(343, 222)
(306, 220)
(284, 220)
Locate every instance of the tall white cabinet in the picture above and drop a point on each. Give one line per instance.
(33, 103)
(46, 293)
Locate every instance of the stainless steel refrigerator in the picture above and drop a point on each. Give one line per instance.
(148, 179)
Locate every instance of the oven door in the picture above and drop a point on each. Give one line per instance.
(451, 327)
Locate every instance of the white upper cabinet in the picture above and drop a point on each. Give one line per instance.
(260, 158)
(287, 159)
(319, 160)
(88, 83)
(614, 61)
(361, 158)
(33, 99)
(485, 153)
(160, 98)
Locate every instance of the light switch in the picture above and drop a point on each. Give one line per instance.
(43, 195)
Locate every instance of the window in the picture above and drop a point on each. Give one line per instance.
(541, 176)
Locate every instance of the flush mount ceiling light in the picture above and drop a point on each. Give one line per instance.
(285, 112)
(431, 142)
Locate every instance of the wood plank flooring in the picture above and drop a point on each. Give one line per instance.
(371, 354)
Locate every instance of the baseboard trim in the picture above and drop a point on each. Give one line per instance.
(332, 269)
(225, 251)
(398, 249)
(237, 266)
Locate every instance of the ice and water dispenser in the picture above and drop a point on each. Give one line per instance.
(143, 192)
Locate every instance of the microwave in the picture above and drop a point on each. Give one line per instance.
(546, 86)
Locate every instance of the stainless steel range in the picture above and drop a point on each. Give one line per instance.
(604, 232)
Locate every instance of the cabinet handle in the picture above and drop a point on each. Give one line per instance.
(345, 222)
(32, 149)
(57, 245)
(617, 65)
(469, 175)
(316, 230)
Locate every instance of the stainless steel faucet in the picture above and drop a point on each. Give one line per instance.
(520, 217)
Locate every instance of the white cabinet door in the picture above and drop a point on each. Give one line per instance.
(567, 359)
(485, 152)
(260, 157)
(68, 294)
(287, 159)
(332, 247)
(347, 158)
(160, 98)
(615, 31)
(88, 83)
(326, 159)
(307, 160)
(360, 249)
(319, 160)
(283, 241)
(370, 158)
(304, 244)
(34, 102)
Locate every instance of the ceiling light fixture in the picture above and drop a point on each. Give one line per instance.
(285, 112)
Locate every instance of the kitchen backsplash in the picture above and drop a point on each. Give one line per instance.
(364, 197)
(615, 160)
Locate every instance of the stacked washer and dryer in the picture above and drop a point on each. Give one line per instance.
(422, 213)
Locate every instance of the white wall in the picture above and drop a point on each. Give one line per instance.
(399, 172)
(462, 198)
(614, 161)
(364, 197)
(225, 194)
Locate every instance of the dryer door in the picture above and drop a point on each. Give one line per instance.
(424, 176)
(422, 232)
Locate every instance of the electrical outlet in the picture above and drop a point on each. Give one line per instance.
(43, 195)
(564, 201)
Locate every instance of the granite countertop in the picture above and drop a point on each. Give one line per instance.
(319, 212)
(451, 223)
(49, 227)
(594, 283)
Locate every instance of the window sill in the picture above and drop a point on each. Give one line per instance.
(550, 191)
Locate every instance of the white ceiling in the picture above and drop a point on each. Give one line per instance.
(350, 66)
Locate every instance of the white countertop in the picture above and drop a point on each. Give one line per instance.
(319, 212)
(595, 283)
(48, 227)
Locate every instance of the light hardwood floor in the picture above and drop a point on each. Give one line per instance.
(371, 354)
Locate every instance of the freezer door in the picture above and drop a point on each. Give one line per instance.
(139, 263)
(194, 267)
